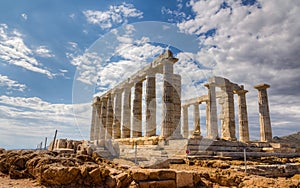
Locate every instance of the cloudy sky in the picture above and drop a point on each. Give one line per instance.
(55, 55)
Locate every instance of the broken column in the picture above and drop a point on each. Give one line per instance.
(103, 117)
(185, 117)
(126, 112)
(110, 116)
(213, 119)
(150, 105)
(117, 115)
(243, 115)
(137, 110)
(264, 114)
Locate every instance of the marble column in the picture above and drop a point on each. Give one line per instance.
(168, 106)
(243, 116)
(97, 105)
(150, 105)
(197, 131)
(103, 117)
(117, 115)
(228, 116)
(110, 116)
(137, 110)
(264, 114)
(207, 119)
(93, 122)
(177, 106)
(213, 119)
(185, 117)
(126, 112)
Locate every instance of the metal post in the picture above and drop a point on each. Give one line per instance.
(45, 147)
(54, 140)
(135, 152)
(245, 160)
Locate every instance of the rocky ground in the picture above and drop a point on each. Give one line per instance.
(28, 168)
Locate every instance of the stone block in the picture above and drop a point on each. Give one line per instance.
(160, 184)
(184, 179)
(139, 175)
(162, 174)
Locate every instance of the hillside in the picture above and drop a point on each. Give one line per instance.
(293, 139)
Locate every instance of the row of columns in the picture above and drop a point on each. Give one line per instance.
(228, 117)
(107, 110)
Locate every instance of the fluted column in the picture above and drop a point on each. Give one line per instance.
(98, 127)
(126, 112)
(264, 114)
(177, 105)
(207, 119)
(150, 105)
(213, 119)
(137, 110)
(110, 116)
(93, 123)
(103, 117)
(117, 115)
(228, 123)
(168, 106)
(243, 116)
(197, 130)
(185, 117)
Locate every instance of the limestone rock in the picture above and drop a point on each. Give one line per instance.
(60, 175)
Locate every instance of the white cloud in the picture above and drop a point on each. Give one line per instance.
(115, 15)
(34, 118)
(14, 51)
(88, 65)
(253, 44)
(11, 84)
(43, 51)
(24, 16)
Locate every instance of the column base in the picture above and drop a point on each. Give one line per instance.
(196, 135)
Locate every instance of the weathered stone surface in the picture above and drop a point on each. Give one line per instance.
(137, 110)
(162, 174)
(184, 179)
(150, 105)
(161, 184)
(60, 175)
(264, 114)
(140, 175)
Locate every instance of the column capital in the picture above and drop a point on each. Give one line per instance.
(240, 92)
(261, 86)
(210, 84)
(96, 101)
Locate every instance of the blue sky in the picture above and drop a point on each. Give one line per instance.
(48, 73)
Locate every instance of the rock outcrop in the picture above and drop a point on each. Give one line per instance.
(56, 169)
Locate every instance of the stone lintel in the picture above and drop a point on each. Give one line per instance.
(156, 66)
(195, 100)
(262, 86)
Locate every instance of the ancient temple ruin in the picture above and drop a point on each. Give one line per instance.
(107, 108)
(111, 118)
(114, 119)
